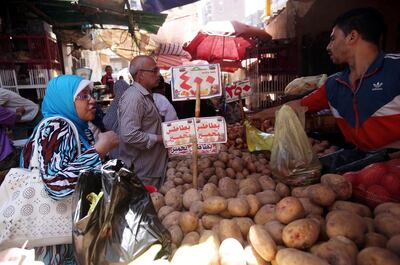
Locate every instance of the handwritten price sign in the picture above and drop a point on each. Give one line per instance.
(242, 88)
(186, 150)
(178, 132)
(184, 81)
(208, 130)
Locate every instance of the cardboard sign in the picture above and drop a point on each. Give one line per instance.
(208, 130)
(180, 132)
(184, 80)
(233, 91)
(186, 150)
(211, 130)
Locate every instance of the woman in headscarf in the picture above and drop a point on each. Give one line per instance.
(68, 96)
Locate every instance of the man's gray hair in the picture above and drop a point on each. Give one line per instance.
(137, 63)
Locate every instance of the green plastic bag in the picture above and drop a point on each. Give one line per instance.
(256, 139)
(293, 161)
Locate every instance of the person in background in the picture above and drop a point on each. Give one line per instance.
(110, 119)
(58, 160)
(139, 124)
(108, 80)
(364, 98)
(165, 108)
(8, 154)
(31, 116)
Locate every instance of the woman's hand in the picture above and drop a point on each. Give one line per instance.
(106, 142)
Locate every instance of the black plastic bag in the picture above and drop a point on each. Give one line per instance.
(345, 160)
(123, 224)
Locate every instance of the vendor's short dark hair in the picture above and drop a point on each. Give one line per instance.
(107, 66)
(367, 21)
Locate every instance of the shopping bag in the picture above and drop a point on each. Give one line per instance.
(293, 161)
(257, 140)
(26, 210)
(123, 223)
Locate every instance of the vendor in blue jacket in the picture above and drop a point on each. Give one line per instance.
(365, 97)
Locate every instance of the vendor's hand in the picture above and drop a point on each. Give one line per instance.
(106, 142)
(19, 112)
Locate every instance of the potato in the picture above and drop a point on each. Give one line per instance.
(236, 164)
(299, 192)
(268, 197)
(190, 196)
(322, 225)
(167, 186)
(339, 184)
(220, 172)
(171, 219)
(219, 164)
(282, 190)
(275, 228)
(377, 256)
(191, 238)
(208, 248)
(391, 207)
(375, 240)
(265, 214)
(207, 173)
(197, 208)
(353, 207)
(172, 164)
(301, 234)
(209, 190)
(267, 183)
(231, 252)
(188, 222)
(164, 211)
(345, 223)
(335, 252)
(387, 224)
(321, 195)
(289, 209)
(310, 207)
(176, 234)
(215, 205)
(262, 242)
(173, 198)
(244, 224)
(230, 173)
(394, 244)
(229, 229)
(223, 157)
(209, 220)
(291, 256)
(249, 186)
(227, 187)
(188, 178)
(204, 163)
(254, 204)
(252, 257)
(348, 246)
(238, 207)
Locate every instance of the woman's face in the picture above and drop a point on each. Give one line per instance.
(85, 105)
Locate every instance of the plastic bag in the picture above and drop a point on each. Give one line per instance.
(256, 139)
(123, 224)
(293, 161)
(305, 84)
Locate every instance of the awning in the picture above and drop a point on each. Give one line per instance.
(157, 6)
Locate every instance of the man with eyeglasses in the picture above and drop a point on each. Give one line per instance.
(139, 124)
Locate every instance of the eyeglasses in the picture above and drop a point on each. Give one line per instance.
(84, 97)
(155, 70)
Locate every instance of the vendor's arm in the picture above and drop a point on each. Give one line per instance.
(7, 117)
(314, 102)
(59, 161)
(131, 113)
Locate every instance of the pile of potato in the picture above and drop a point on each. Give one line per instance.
(322, 148)
(240, 215)
(236, 136)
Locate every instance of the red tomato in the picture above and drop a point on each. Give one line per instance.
(393, 166)
(352, 177)
(379, 191)
(372, 174)
(391, 182)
